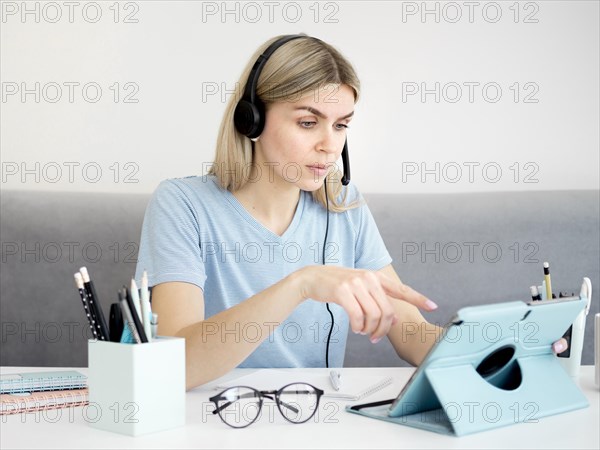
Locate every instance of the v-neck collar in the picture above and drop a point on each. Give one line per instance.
(242, 211)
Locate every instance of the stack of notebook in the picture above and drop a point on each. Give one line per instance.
(36, 391)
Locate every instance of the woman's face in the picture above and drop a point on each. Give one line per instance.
(302, 133)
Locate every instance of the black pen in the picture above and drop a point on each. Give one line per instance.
(95, 304)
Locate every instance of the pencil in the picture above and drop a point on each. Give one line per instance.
(548, 281)
(95, 305)
(83, 295)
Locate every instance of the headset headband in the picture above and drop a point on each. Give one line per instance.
(250, 91)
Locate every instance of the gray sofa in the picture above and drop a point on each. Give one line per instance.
(458, 249)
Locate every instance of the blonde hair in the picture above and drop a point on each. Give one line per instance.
(295, 69)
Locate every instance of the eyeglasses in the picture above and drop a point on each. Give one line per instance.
(240, 406)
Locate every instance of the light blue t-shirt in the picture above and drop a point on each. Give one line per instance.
(196, 232)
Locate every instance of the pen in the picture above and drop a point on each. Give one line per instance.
(336, 379)
(548, 281)
(146, 310)
(94, 304)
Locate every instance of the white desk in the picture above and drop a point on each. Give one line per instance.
(332, 427)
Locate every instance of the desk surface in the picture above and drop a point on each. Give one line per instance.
(332, 427)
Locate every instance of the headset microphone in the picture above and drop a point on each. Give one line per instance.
(346, 164)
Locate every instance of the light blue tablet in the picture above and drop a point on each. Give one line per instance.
(493, 366)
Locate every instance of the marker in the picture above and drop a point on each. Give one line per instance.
(146, 311)
(136, 320)
(548, 281)
(135, 296)
(129, 319)
(535, 294)
(336, 379)
(94, 304)
(83, 295)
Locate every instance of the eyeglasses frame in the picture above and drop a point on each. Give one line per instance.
(266, 394)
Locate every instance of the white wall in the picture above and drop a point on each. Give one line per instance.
(547, 139)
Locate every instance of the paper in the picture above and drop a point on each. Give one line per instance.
(353, 387)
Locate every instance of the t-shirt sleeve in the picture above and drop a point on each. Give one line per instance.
(170, 240)
(370, 250)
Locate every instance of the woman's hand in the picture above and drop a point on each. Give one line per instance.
(560, 346)
(366, 296)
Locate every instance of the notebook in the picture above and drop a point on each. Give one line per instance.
(42, 400)
(353, 387)
(41, 381)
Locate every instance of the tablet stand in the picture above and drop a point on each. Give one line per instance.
(493, 367)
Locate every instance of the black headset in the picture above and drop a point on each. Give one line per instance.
(249, 115)
(249, 120)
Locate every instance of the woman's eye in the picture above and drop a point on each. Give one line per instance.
(340, 126)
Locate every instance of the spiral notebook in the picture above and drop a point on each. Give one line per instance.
(42, 400)
(11, 383)
(354, 387)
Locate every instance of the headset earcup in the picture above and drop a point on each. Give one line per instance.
(248, 119)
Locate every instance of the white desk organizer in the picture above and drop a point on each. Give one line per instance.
(137, 388)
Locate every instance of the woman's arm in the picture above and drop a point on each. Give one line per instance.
(215, 346)
(412, 336)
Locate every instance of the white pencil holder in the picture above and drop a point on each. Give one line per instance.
(136, 388)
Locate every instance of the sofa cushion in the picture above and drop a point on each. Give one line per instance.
(458, 249)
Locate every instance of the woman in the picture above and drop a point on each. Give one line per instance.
(234, 257)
